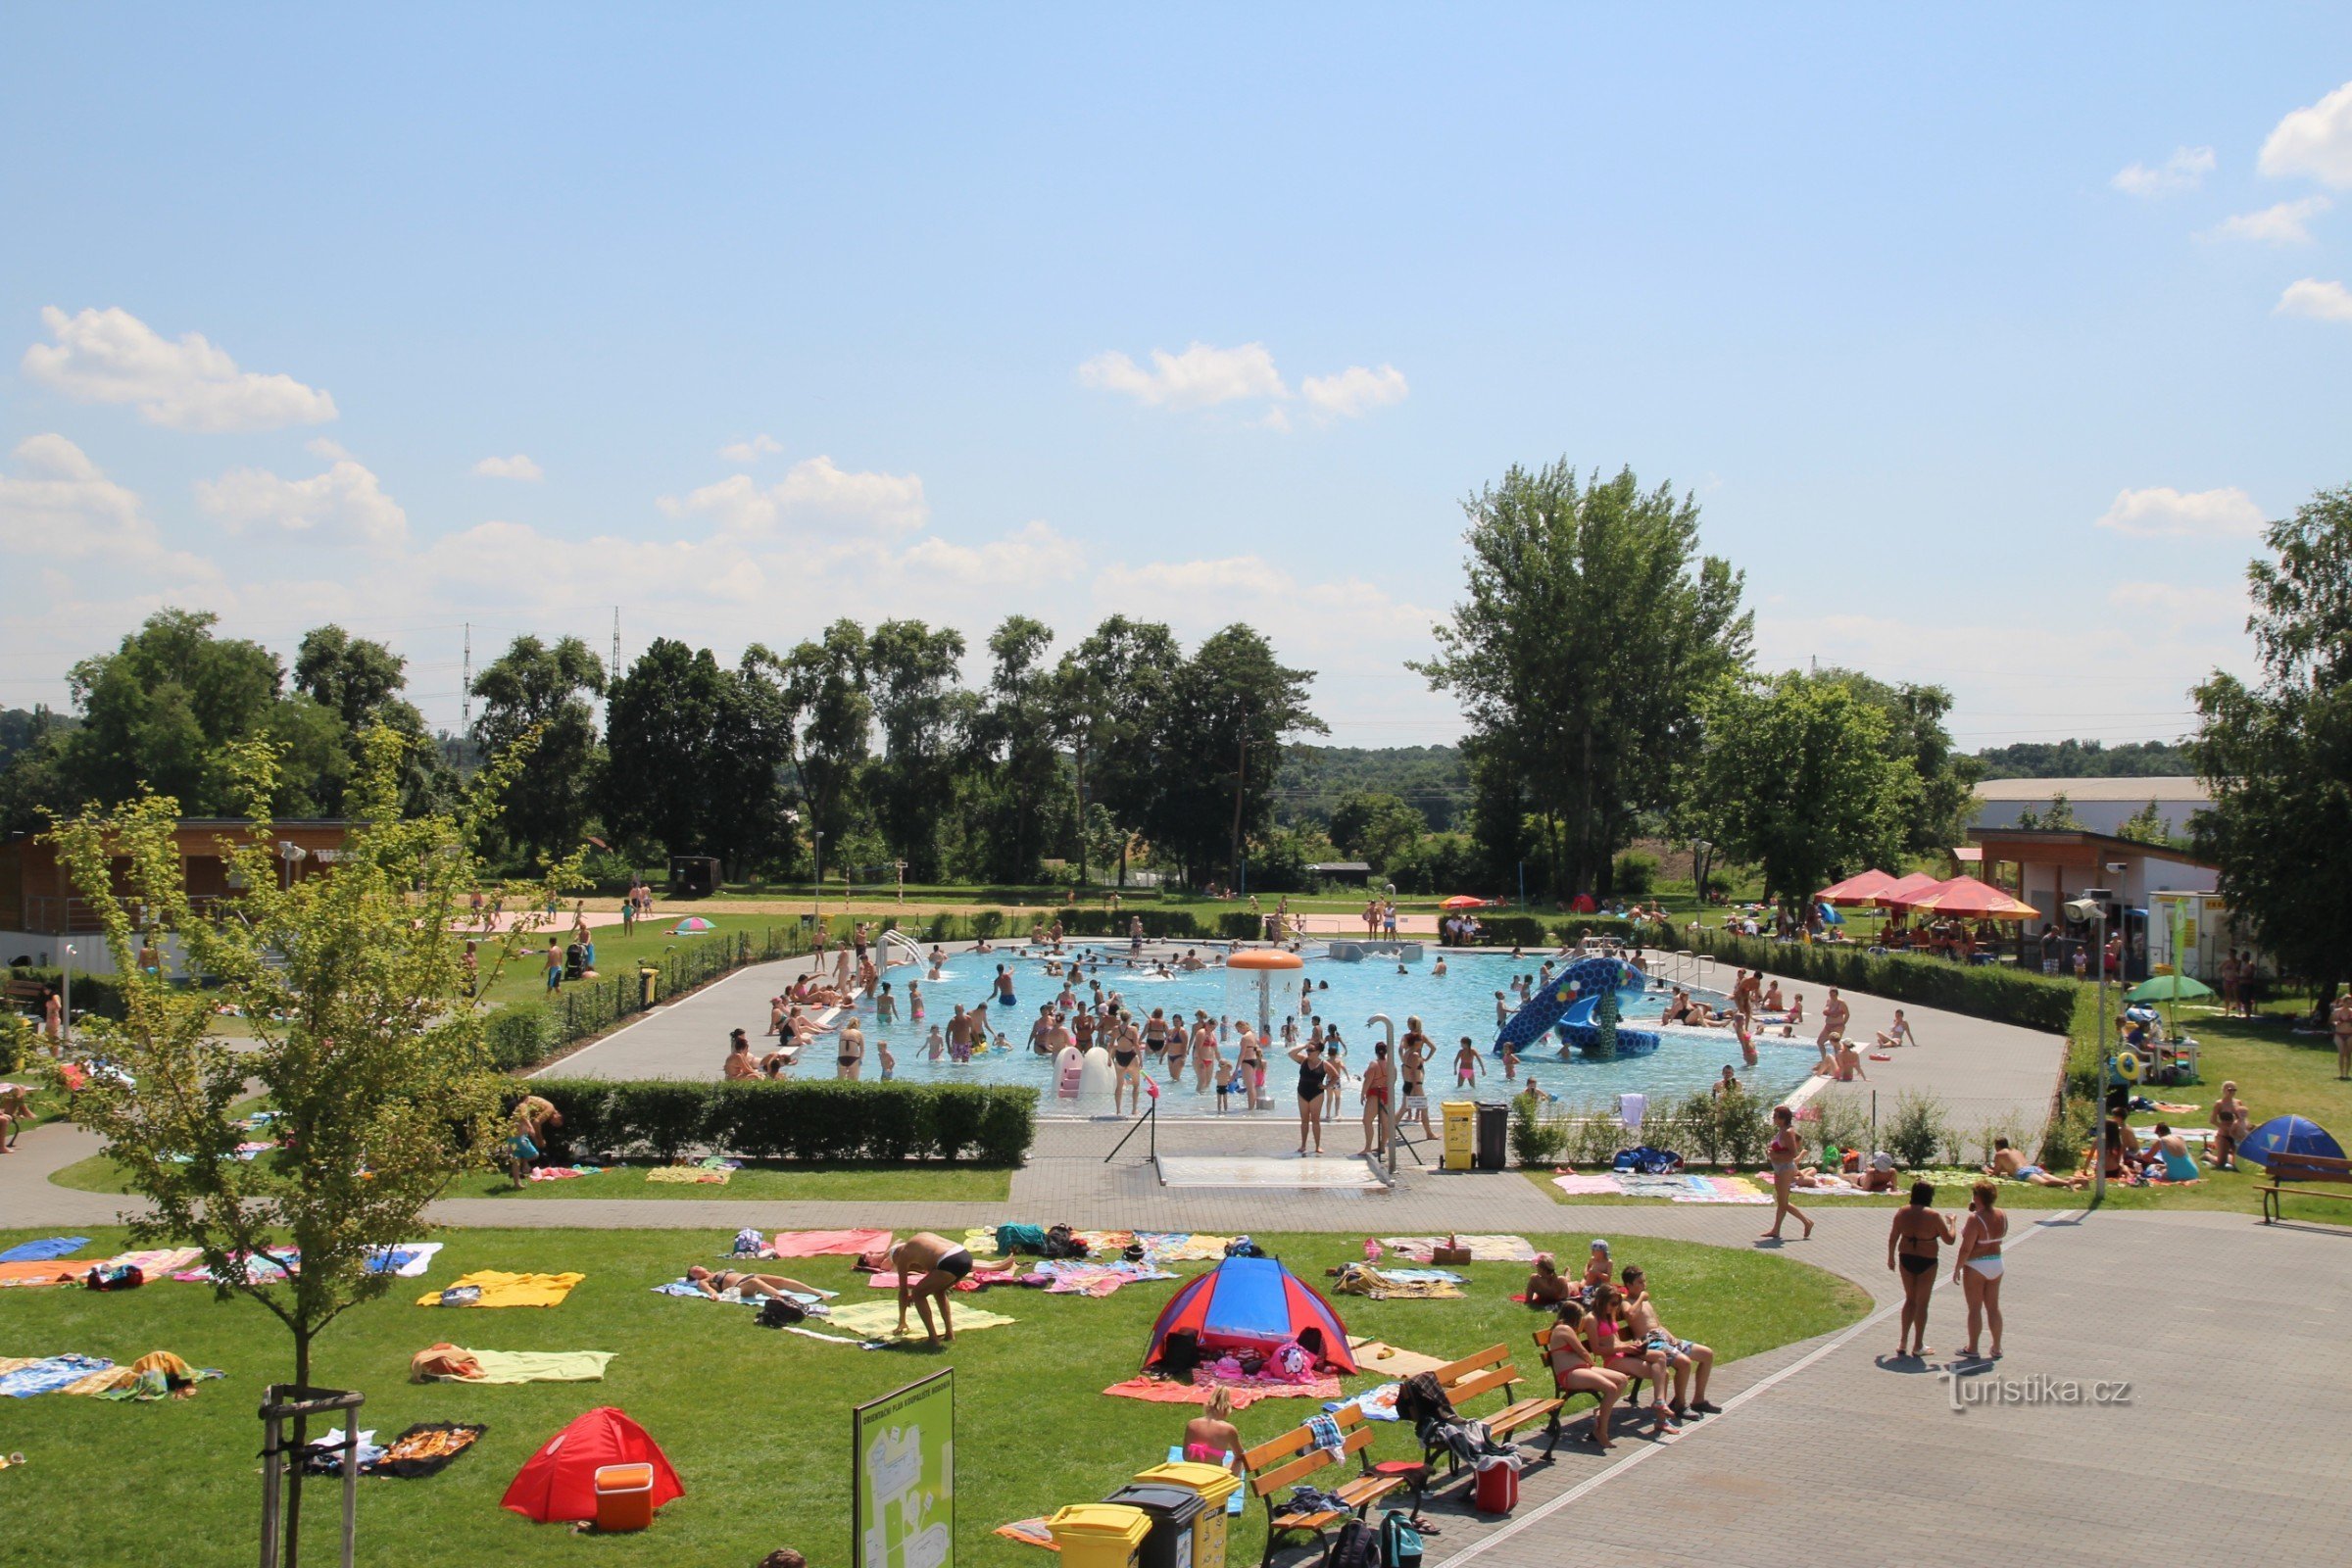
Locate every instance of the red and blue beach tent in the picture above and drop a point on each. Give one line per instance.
(1251, 1304)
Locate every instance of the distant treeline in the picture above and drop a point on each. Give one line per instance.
(2087, 759)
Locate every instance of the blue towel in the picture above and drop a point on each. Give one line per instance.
(42, 1252)
(49, 1375)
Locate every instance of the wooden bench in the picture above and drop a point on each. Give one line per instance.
(2285, 1168)
(1489, 1371)
(36, 992)
(1277, 1466)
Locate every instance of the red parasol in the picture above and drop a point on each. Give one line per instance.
(1964, 898)
(1863, 888)
(1463, 901)
(1908, 891)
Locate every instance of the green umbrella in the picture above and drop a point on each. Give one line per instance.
(2168, 988)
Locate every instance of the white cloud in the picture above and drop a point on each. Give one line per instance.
(111, 356)
(1355, 390)
(2186, 170)
(59, 506)
(814, 490)
(2321, 301)
(344, 505)
(2161, 511)
(2178, 603)
(752, 450)
(1199, 377)
(2315, 141)
(2285, 223)
(516, 466)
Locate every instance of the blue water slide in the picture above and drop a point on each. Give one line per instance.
(1574, 990)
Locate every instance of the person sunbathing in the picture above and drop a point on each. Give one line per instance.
(1545, 1286)
(1772, 1002)
(1575, 1369)
(739, 1064)
(2008, 1163)
(1212, 1437)
(716, 1283)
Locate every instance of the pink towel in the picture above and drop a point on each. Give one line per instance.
(825, 1244)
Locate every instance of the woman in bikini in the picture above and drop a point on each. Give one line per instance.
(1782, 1153)
(1212, 1437)
(1627, 1353)
(1375, 1091)
(716, 1283)
(1977, 1265)
(1126, 1045)
(1576, 1370)
(1912, 1245)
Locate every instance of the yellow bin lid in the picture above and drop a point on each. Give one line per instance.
(1460, 1107)
(1212, 1481)
(1101, 1521)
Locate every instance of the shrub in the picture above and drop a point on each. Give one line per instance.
(795, 1119)
(16, 1040)
(98, 994)
(1915, 1135)
(1534, 1140)
(517, 1036)
(1513, 930)
(1839, 1123)
(1635, 873)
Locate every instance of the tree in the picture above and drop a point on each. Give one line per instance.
(912, 676)
(832, 718)
(1234, 707)
(360, 681)
(1013, 749)
(749, 821)
(1590, 628)
(363, 1039)
(661, 746)
(1915, 735)
(1375, 827)
(2059, 819)
(541, 693)
(1113, 694)
(1796, 776)
(2144, 826)
(2277, 753)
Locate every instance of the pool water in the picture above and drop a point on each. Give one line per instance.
(1344, 994)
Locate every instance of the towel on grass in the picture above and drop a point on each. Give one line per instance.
(691, 1291)
(1245, 1392)
(1073, 1278)
(60, 1271)
(409, 1261)
(1376, 1355)
(688, 1175)
(157, 1375)
(977, 1279)
(560, 1173)
(1482, 1248)
(1378, 1404)
(1177, 1247)
(1578, 1183)
(41, 1251)
(1029, 1532)
(425, 1449)
(1722, 1190)
(878, 1321)
(825, 1244)
(508, 1290)
(22, 1377)
(258, 1270)
(1392, 1284)
(451, 1363)
(156, 1262)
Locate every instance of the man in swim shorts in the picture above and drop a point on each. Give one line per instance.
(929, 1267)
(2007, 1162)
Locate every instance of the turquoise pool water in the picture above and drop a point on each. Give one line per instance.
(1458, 1003)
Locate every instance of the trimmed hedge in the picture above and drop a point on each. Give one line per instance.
(792, 1119)
(2001, 994)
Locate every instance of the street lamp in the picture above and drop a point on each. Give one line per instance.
(2090, 909)
(64, 1004)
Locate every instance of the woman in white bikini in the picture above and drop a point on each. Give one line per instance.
(1782, 1153)
(1977, 1265)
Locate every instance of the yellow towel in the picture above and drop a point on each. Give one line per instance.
(512, 1290)
(878, 1321)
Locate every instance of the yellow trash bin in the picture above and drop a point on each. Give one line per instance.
(1462, 1134)
(1215, 1484)
(1099, 1534)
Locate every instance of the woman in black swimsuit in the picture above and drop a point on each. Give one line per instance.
(1313, 1075)
(1912, 1243)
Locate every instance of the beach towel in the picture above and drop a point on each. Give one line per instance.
(157, 1263)
(878, 1321)
(1159, 1390)
(1029, 1532)
(508, 1290)
(1482, 1248)
(1587, 1185)
(425, 1449)
(258, 1270)
(1378, 1404)
(157, 1375)
(22, 1378)
(826, 1243)
(560, 1173)
(409, 1261)
(1391, 1361)
(1391, 1285)
(41, 1251)
(60, 1272)
(977, 1279)
(1096, 1280)
(1176, 1247)
(1722, 1190)
(688, 1175)
(513, 1367)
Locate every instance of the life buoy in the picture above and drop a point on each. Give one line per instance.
(2127, 1067)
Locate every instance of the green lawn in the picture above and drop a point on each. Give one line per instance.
(900, 1184)
(526, 978)
(757, 1422)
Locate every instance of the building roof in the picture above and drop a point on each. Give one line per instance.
(2136, 791)
(2105, 842)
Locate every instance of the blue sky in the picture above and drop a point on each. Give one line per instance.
(1943, 318)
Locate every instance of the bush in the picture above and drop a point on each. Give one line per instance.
(804, 1120)
(1535, 1141)
(1635, 873)
(1915, 1135)
(18, 1041)
(1513, 930)
(98, 994)
(517, 1036)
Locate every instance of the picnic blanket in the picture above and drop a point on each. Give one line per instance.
(879, 1321)
(41, 1251)
(23, 1376)
(1178, 1246)
(1245, 1393)
(1375, 1355)
(156, 1262)
(60, 1271)
(508, 1290)
(1482, 1248)
(1397, 1285)
(157, 1375)
(688, 1175)
(452, 1363)
(560, 1173)
(258, 1270)
(825, 1244)
(1071, 1277)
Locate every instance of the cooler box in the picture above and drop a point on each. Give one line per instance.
(624, 1497)
(1494, 1489)
(1215, 1485)
(1099, 1534)
(1173, 1511)
(1493, 1135)
(1462, 1134)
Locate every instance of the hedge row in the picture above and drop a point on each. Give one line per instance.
(817, 1119)
(2002, 994)
(98, 994)
(525, 1034)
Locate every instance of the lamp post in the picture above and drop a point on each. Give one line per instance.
(65, 1022)
(2094, 911)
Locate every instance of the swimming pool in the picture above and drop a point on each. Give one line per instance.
(1344, 994)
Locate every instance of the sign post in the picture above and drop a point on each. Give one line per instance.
(903, 1477)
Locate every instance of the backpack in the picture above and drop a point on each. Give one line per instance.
(1020, 1239)
(748, 1242)
(1357, 1546)
(1243, 1247)
(1060, 1242)
(1180, 1354)
(1400, 1542)
(781, 1312)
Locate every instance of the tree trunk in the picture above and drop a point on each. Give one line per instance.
(290, 1539)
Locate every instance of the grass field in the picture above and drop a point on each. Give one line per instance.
(756, 1421)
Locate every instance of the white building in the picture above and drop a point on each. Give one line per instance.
(2100, 804)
